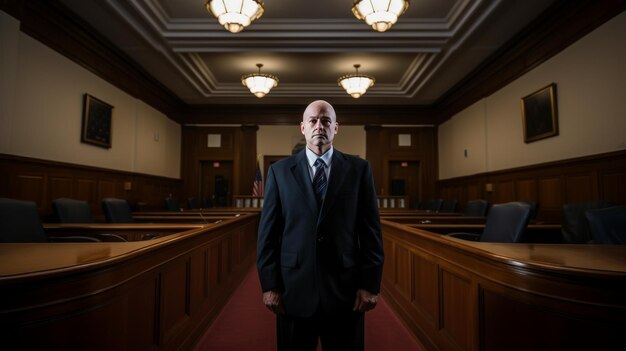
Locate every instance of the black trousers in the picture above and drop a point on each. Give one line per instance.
(342, 332)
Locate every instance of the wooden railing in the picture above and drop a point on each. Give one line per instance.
(146, 295)
(461, 295)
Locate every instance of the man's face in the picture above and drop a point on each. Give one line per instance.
(319, 126)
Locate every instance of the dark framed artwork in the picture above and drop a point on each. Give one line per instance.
(539, 114)
(97, 120)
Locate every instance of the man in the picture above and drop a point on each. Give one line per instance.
(319, 250)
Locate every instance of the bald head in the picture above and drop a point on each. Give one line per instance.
(318, 107)
(319, 126)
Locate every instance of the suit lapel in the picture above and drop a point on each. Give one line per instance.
(300, 171)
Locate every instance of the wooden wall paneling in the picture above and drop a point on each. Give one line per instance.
(403, 276)
(60, 186)
(175, 294)
(199, 276)
(42, 181)
(597, 177)
(30, 187)
(248, 159)
(389, 270)
(550, 198)
(457, 317)
(425, 284)
(141, 309)
(579, 188)
(526, 189)
(86, 190)
(373, 140)
(503, 191)
(214, 268)
(613, 187)
(382, 148)
(567, 331)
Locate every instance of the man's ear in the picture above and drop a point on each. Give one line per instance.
(302, 128)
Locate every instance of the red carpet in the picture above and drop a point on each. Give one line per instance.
(245, 324)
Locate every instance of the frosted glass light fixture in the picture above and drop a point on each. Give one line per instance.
(380, 14)
(259, 83)
(356, 84)
(235, 15)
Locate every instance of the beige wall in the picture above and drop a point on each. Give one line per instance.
(41, 101)
(591, 81)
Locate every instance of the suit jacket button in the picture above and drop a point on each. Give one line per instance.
(320, 239)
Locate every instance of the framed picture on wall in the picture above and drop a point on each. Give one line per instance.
(97, 120)
(539, 114)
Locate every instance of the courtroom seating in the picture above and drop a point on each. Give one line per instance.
(476, 208)
(448, 206)
(192, 203)
(574, 226)
(505, 223)
(77, 211)
(171, 204)
(20, 223)
(72, 211)
(117, 210)
(608, 225)
(432, 205)
(534, 208)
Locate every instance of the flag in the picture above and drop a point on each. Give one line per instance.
(257, 186)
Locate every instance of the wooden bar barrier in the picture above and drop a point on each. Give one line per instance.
(144, 295)
(460, 295)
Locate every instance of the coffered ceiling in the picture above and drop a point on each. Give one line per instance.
(308, 44)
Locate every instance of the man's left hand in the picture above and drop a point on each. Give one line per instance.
(365, 301)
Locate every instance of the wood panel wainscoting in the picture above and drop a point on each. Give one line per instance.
(147, 295)
(42, 181)
(461, 295)
(551, 185)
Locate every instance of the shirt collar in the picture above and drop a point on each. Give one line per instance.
(326, 157)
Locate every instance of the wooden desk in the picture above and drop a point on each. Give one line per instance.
(461, 295)
(130, 231)
(535, 233)
(429, 219)
(143, 295)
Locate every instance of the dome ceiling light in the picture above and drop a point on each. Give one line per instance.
(235, 15)
(259, 83)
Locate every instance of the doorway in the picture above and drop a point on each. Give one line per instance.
(403, 180)
(216, 183)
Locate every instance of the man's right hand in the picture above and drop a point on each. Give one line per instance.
(273, 301)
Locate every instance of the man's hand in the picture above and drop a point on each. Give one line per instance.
(365, 301)
(273, 301)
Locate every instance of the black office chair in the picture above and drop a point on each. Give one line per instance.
(72, 211)
(192, 203)
(574, 226)
(608, 225)
(534, 208)
(171, 204)
(476, 208)
(117, 210)
(20, 223)
(77, 211)
(506, 223)
(432, 205)
(448, 206)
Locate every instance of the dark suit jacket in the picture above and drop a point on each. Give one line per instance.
(320, 256)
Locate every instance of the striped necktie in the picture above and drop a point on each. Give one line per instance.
(319, 180)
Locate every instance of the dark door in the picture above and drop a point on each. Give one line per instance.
(404, 179)
(216, 182)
